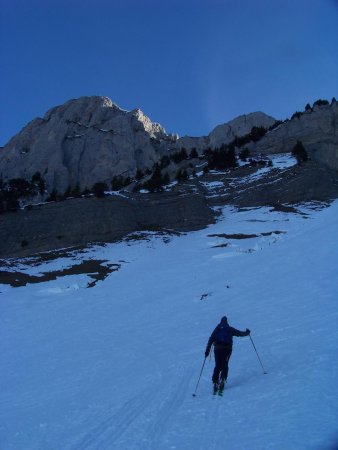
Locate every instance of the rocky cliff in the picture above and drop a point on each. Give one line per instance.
(91, 140)
(227, 132)
(316, 128)
(84, 141)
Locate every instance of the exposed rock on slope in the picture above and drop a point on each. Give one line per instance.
(84, 141)
(227, 132)
(91, 139)
(238, 127)
(86, 220)
(317, 129)
(306, 182)
(189, 206)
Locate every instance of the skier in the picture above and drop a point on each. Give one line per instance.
(221, 337)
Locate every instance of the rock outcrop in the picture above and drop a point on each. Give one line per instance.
(91, 140)
(82, 142)
(227, 132)
(81, 221)
(239, 127)
(316, 128)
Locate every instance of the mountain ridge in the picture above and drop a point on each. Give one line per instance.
(92, 146)
(91, 139)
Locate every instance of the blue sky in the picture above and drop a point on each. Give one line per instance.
(188, 64)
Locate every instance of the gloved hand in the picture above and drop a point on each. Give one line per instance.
(248, 331)
(206, 354)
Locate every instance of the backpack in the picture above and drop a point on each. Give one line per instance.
(223, 335)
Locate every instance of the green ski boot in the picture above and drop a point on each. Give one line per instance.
(221, 388)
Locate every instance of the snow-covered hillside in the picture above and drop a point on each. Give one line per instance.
(114, 366)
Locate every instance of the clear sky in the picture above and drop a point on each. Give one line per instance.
(188, 64)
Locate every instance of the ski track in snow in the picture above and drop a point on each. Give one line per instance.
(114, 367)
(104, 435)
(173, 396)
(129, 421)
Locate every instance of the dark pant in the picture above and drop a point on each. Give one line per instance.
(222, 356)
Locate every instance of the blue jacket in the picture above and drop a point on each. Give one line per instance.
(232, 331)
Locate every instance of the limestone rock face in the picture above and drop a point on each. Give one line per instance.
(225, 133)
(91, 139)
(316, 129)
(85, 140)
(239, 126)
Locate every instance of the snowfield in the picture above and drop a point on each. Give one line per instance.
(114, 366)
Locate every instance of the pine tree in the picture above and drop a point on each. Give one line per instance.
(76, 192)
(300, 153)
(53, 196)
(155, 183)
(39, 182)
(320, 102)
(222, 158)
(99, 189)
(193, 153)
(164, 161)
(181, 175)
(179, 156)
(139, 175)
(244, 154)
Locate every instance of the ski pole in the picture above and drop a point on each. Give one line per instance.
(212, 345)
(194, 394)
(259, 359)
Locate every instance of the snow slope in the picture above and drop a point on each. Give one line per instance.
(115, 366)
